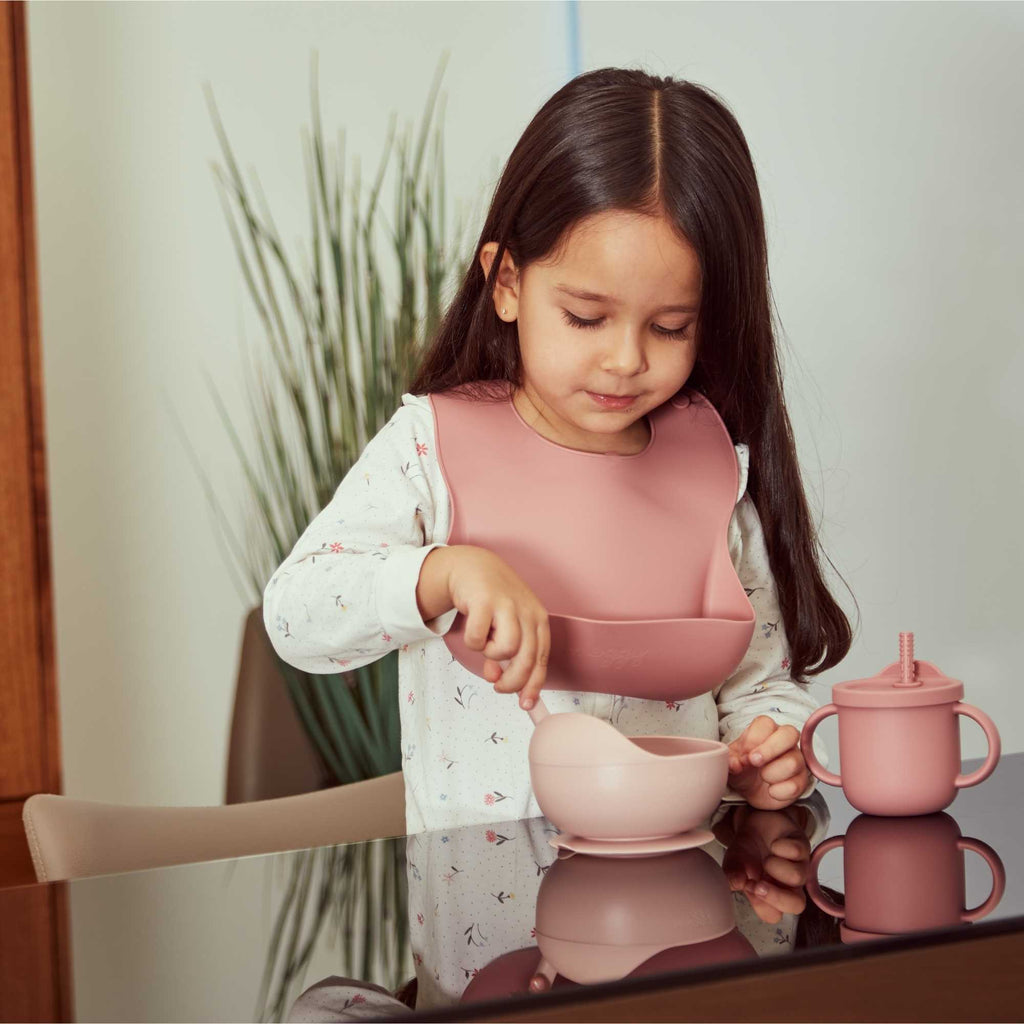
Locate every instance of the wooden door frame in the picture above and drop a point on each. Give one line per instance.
(35, 976)
(26, 598)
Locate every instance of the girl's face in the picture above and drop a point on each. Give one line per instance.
(616, 315)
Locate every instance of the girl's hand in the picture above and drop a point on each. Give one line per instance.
(766, 766)
(766, 858)
(504, 620)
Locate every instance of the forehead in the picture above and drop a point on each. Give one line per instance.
(626, 254)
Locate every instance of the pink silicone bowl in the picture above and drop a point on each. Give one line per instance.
(592, 781)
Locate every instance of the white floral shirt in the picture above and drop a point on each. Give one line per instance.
(346, 596)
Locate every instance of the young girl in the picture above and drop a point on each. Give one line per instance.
(621, 273)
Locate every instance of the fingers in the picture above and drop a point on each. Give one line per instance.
(495, 633)
(776, 899)
(786, 766)
(775, 744)
(767, 860)
(737, 878)
(742, 861)
(786, 776)
(788, 872)
(764, 911)
(753, 736)
(504, 633)
(774, 751)
(505, 622)
(518, 670)
(522, 645)
(536, 681)
(478, 625)
(790, 789)
(792, 847)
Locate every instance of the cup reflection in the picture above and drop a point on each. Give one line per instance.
(903, 875)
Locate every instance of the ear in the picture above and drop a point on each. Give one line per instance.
(506, 287)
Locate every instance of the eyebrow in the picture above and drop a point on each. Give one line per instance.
(580, 293)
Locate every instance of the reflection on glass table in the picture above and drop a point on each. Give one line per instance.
(904, 875)
(382, 927)
(442, 919)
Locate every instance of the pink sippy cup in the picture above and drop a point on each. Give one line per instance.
(899, 739)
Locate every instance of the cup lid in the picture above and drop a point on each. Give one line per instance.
(903, 684)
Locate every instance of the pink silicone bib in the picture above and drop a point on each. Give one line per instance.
(628, 553)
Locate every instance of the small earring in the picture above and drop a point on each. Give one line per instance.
(503, 310)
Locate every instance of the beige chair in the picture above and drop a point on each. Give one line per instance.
(74, 838)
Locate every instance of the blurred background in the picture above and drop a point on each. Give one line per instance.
(888, 143)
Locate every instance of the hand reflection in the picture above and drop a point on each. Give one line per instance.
(766, 858)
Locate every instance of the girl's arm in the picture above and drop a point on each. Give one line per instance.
(346, 595)
(761, 684)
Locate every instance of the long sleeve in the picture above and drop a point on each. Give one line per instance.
(346, 594)
(761, 684)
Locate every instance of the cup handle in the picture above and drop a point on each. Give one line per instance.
(807, 749)
(813, 886)
(994, 746)
(995, 865)
(998, 877)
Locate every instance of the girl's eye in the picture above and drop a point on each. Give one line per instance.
(575, 321)
(570, 318)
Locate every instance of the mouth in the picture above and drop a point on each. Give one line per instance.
(613, 401)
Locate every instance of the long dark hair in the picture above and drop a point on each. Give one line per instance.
(623, 139)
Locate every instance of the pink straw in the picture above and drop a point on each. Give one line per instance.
(908, 667)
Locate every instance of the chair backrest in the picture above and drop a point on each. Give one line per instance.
(270, 755)
(74, 838)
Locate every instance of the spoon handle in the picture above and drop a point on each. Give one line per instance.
(539, 711)
(544, 977)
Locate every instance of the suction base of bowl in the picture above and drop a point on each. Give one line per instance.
(569, 845)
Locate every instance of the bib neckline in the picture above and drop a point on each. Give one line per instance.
(576, 451)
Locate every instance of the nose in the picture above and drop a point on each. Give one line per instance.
(625, 355)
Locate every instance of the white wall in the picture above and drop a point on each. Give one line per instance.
(888, 146)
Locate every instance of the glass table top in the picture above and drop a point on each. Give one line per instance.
(442, 920)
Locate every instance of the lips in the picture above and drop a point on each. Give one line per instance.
(612, 401)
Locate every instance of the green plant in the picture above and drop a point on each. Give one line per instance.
(342, 353)
(350, 898)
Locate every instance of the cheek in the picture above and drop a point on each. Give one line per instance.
(679, 362)
(554, 357)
